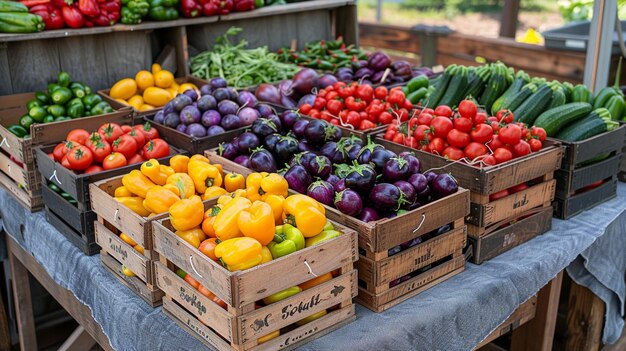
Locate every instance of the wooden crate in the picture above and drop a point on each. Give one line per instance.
(570, 181)
(496, 240)
(622, 168)
(581, 151)
(240, 325)
(22, 181)
(139, 114)
(76, 225)
(575, 204)
(77, 185)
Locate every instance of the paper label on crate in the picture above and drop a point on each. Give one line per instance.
(576, 44)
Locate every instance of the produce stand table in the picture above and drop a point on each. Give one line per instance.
(455, 315)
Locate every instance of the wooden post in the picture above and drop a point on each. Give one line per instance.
(585, 319)
(5, 335)
(23, 305)
(538, 334)
(508, 21)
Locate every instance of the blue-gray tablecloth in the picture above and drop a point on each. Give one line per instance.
(455, 315)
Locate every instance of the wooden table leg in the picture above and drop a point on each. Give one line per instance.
(585, 319)
(538, 334)
(23, 305)
(5, 335)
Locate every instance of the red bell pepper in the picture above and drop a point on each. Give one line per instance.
(244, 5)
(224, 6)
(111, 6)
(209, 8)
(61, 3)
(108, 16)
(191, 8)
(32, 3)
(73, 17)
(89, 8)
(50, 15)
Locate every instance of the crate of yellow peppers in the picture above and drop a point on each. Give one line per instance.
(255, 266)
(126, 205)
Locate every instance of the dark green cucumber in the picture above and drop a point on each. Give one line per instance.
(516, 100)
(591, 125)
(513, 89)
(442, 85)
(456, 88)
(558, 98)
(532, 107)
(603, 97)
(555, 119)
(495, 87)
(568, 88)
(582, 94)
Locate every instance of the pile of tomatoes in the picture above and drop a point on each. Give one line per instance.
(469, 135)
(359, 106)
(111, 146)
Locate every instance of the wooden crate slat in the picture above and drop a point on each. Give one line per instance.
(32, 203)
(571, 180)
(28, 178)
(585, 150)
(124, 253)
(89, 248)
(81, 221)
(567, 208)
(152, 297)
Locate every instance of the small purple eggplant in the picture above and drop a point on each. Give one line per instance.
(322, 191)
(288, 118)
(419, 182)
(349, 202)
(408, 191)
(332, 179)
(263, 127)
(397, 168)
(285, 148)
(264, 109)
(247, 142)
(380, 158)
(385, 196)
(340, 185)
(298, 179)
(320, 166)
(414, 162)
(298, 127)
(430, 176)
(271, 140)
(444, 185)
(361, 179)
(369, 215)
(262, 160)
(228, 150)
(243, 160)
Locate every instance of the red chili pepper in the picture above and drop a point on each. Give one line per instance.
(244, 5)
(111, 6)
(190, 8)
(50, 15)
(31, 3)
(72, 17)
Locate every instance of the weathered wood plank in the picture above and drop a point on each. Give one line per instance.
(585, 319)
(23, 304)
(126, 53)
(33, 64)
(389, 37)
(5, 72)
(82, 58)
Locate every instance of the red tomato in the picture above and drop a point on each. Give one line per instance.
(442, 126)
(69, 145)
(126, 145)
(489, 160)
(396, 97)
(443, 110)
(411, 142)
(93, 139)
(436, 146)
(319, 103)
(346, 91)
(305, 108)
(353, 118)
(100, 150)
(425, 118)
(467, 108)
(500, 194)
(381, 92)
(93, 169)
(403, 114)
(114, 160)
(518, 188)
(482, 133)
(156, 148)
(521, 149)
(502, 155)
(495, 142)
(510, 134)
(355, 104)
(474, 150)
(138, 136)
(79, 136)
(136, 158)
(110, 131)
(480, 117)
(408, 104)
(458, 139)
(365, 92)
(535, 144)
(148, 131)
(80, 157)
(59, 151)
(398, 138)
(463, 124)
(421, 132)
(385, 118)
(505, 116)
(334, 106)
(366, 124)
(492, 119)
(539, 132)
(453, 153)
(126, 128)
(389, 135)
(65, 163)
(495, 126)
(428, 110)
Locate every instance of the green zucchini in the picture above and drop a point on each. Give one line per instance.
(456, 88)
(603, 97)
(582, 94)
(615, 106)
(558, 98)
(437, 94)
(568, 88)
(555, 119)
(532, 107)
(520, 80)
(516, 100)
(12, 6)
(477, 80)
(495, 87)
(597, 122)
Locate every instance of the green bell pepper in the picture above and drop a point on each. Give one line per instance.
(91, 100)
(61, 95)
(616, 107)
(37, 113)
(287, 239)
(26, 121)
(281, 295)
(56, 110)
(163, 10)
(18, 130)
(323, 236)
(133, 11)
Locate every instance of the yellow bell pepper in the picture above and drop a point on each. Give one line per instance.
(239, 253)
(135, 204)
(159, 199)
(266, 254)
(226, 226)
(187, 213)
(274, 183)
(183, 184)
(179, 163)
(311, 318)
(209, 220)
(139, 249)
(257, 221)
(220, 169)
(204, 175)
(276, 203)
(253, 186)
(213, 191)
(234, 181)
(166, 170)
(121, 191)
(193, 236)
(152, 170)
(305, 213)
(137, 183)
(198, 157)
(316, 281)
(224, 199)
(239, 193)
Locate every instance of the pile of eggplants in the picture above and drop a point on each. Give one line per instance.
(217, 109)
(362, 180)
(378, 66)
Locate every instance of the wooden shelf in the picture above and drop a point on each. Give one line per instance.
(150, 25)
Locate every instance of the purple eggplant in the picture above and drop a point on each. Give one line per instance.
(306, 99)
(207, 102)
(430, 176)
(444, 185)
(326, 80)
(377, 77)
(419, 182)
(332, 179)
(288, 102)
(181, 128)
(285, 148)
(227, 107)
(230, 122)
(408, 191)
(192, 94)
(380, 158)
(262, 160)
(349, 202)
(369, 215)
(159, 117)
(248, 115)
(361, 179)
(340, 185)
(214, 130)
(196, 130)
(402, 68)
(288, 118)
(247, 142)
(363, 73)
(353, 150)
(211, 118)
(221, 94)
(385, 196)
(189, 115)
(414, 162)
(322, 191)
(302, 159)
(246, 98)
(342, 170)
(271, 140)
(424, 196)
(305, 80)
(298, 178)
(378, 61)
(181, 101)
(358, 64)
(320, 166)
(218, 82)
(228, 150)
(396, 169)
(276, 120)
(171, 120)
(304, 145)
(206, 90)
(298, 127)
(243, 160)
(232, 93)
(317, 132)
(264, 109)
(264, 127)
(365, 154)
